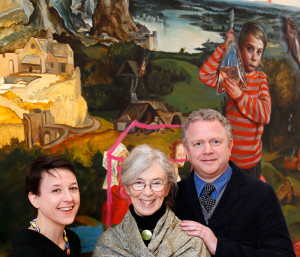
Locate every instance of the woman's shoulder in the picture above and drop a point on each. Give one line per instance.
(25, 241)
(119, 230)
(119, 233)
(24, 236)
(178, 240)
(35, 244)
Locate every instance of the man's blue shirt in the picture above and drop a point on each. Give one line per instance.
(219, 183)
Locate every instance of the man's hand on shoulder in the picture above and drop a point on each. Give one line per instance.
(197, 229)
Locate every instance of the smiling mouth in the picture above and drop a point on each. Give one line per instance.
(212, 160)
(147, 202)
(65, 208)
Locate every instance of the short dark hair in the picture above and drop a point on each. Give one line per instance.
(39, 166)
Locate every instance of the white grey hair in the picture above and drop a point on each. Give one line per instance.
(143, 157)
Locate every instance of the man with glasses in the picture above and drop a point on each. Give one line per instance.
(235, 214)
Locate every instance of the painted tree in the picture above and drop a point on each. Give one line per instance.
(282, 85)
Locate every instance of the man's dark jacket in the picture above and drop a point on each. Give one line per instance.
(248, 220)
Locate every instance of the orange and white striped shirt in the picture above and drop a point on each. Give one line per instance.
(247, 114)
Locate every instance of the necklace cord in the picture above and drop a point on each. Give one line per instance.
(67, 244)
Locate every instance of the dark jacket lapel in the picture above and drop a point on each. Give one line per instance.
(232, 194)
(191, 198)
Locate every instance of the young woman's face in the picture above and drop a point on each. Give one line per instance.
(252, 52)
(59, 199)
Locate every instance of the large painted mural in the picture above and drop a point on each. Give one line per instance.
(91, 79)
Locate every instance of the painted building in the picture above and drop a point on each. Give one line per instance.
(34, 122)
(146, 112)
(8, 64)
(46, 56)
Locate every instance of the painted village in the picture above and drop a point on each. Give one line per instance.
(38, 74)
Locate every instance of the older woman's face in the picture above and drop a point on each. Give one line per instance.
(147, 201)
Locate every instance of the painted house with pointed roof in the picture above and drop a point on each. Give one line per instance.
(46, 56)
(145, 112)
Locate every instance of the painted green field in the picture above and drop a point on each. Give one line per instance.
(190, 94)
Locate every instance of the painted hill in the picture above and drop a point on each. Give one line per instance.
(49, 92)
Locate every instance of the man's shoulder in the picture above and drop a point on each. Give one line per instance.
(239, 177)
(186, 182)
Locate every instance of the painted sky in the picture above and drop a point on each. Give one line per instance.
(282, 2)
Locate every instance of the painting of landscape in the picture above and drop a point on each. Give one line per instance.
(91, 79)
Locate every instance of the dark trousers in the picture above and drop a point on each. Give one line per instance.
(254, 171)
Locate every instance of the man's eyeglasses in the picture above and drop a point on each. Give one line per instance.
(155, 186)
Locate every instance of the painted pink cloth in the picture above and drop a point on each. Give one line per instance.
(119, 206)
(262, 178)
(297, 248)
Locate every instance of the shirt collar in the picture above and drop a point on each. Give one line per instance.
(219, 183)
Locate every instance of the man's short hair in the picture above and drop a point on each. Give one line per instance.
(207, 115)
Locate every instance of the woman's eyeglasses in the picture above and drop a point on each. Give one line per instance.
(155, 186)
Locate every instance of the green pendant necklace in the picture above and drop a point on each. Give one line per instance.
(146, 234)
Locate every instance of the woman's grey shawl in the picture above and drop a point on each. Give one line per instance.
(168, 240)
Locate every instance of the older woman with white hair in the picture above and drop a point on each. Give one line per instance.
(149, 228)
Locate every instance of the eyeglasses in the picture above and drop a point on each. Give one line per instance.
(155, 186)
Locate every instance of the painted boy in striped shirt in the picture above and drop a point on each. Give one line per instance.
(247, 109)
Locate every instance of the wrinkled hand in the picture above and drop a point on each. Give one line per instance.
(232, 88)
(197, 229)
(230, 37)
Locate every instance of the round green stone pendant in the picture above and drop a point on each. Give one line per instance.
(146, 234)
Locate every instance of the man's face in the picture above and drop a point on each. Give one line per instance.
(208, 149)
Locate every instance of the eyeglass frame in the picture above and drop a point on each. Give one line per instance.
(149, 186)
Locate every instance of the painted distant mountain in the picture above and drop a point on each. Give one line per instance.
(216, 4)
(213, 14)
(91, 21)
(255, 7)
(22, 19)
